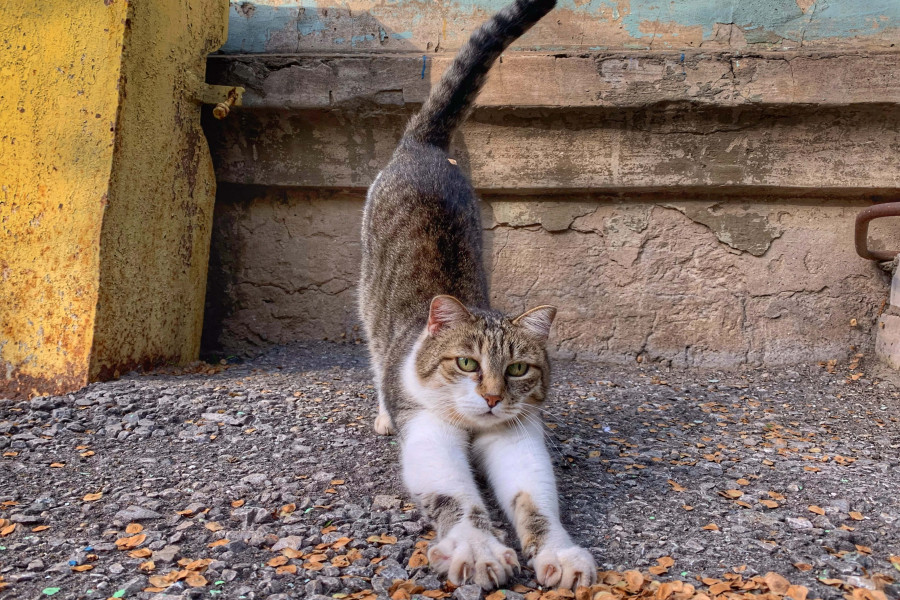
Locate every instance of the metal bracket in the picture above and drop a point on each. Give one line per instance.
(888, 209)
(223, 96)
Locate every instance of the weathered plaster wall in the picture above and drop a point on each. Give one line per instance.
(106, 187)
(155, 245)
(683, 281)
(290, 26)
(60, 71)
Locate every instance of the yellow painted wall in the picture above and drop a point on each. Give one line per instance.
(155, 246)
(59, 70)
(106, 187)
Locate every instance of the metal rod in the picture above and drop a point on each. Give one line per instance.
(889, 209)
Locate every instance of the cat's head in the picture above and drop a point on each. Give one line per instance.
(480, 368)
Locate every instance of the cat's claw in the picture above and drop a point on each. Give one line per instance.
(383, 424)
(568, 567)
(468, 554)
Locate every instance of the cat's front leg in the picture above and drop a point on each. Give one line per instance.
(521, 473)
(437, 473)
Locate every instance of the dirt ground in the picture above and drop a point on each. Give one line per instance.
(264, 479)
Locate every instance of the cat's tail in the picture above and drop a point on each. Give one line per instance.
(451, 100)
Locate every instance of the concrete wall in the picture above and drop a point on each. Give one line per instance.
(60, 71)
(106, 189)
(691, 282)
(681, 178)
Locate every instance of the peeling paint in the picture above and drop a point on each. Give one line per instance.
(739, 227)
(283, 26)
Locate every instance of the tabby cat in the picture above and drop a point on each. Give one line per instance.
(461, 383)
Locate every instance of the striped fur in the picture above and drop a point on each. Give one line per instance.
(424, 305)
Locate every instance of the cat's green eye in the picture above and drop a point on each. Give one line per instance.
(517, 369)
(469, 365)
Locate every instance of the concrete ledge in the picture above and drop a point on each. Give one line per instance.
(622, 79)
(849, 151)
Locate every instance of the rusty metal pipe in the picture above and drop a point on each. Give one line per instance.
(888, 209)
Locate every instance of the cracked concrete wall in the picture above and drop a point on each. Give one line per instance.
(682, 281)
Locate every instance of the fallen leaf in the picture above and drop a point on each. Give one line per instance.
(856, 516)
(743, 482)
(776, 583)
(499, 594)
(711, 527)
(127, 543)
(313, 566)
(337, 482)
(7, 530)
(214, 526)
(291, 553)
(732, 494)
(57, 465)
(816, 509)
(718, 588)
(634, 579)
(277, 561)
(418, 559)
(134, 528)
(92, 497)
(803, 567)
(863, 549)
(328, 529)
(796, 592)
(895, 560)
(811, 469)
(676, 487)
(237, 503)
(291, 569)
(87, 454)
(195, 579)
(142, 553)
(687, 507)
(40, 528)
(217, 543)
(382, 539)
(147, 567)
(769, 503)
(82, 568)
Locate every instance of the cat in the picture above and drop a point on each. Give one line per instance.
(460, 382)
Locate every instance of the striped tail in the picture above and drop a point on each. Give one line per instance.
(451, 100)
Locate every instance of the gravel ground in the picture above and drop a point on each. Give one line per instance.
(793, 471)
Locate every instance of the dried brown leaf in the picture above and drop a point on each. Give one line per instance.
(856, 516)
(92, 497)
(134, 528)
(816, 509)
(776, 582)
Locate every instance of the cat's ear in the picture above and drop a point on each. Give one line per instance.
(446, 311)
(537, 321)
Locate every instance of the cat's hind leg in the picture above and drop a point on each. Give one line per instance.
(436, 471)
(521, 474)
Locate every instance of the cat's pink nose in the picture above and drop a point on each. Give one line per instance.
(491, 400)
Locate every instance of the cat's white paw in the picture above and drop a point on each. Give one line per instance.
(469, 554)
(564, 567)
(383, 424)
